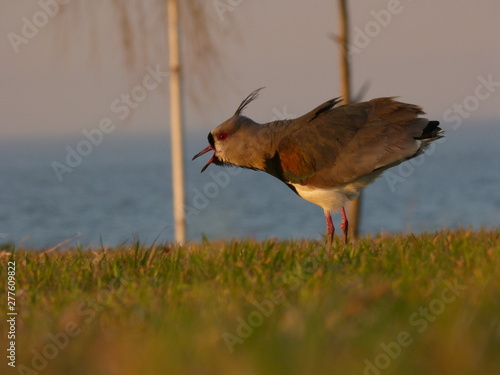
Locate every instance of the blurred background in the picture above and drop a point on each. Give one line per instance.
(84, 129)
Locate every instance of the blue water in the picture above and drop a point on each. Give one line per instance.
(121, 191)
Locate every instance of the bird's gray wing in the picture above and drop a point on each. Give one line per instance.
(330, 146)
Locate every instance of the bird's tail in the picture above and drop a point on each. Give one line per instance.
(431, 131)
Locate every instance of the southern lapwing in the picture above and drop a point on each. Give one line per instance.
(328, 155)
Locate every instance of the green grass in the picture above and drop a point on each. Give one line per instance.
(417, 304)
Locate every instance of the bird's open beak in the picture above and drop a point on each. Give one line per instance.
(204, 151)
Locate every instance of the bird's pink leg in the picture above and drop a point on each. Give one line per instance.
(345, 224)
(330, 229)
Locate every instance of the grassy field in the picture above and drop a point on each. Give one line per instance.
(409, 304)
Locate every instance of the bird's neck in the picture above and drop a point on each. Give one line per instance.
(262, 141)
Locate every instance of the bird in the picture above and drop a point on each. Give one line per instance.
(328, 155)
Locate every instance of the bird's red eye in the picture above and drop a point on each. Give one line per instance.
(222, 136)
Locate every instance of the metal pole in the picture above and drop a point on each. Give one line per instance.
(176, 120)
(353, 207)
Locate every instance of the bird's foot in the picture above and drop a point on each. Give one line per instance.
(344, 225)
(330, 230)
(329, 242)
(345, 231)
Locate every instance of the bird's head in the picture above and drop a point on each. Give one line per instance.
(231, 140)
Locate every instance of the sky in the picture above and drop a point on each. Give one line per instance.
(66, 78)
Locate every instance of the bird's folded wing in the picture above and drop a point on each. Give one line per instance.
(330, 146)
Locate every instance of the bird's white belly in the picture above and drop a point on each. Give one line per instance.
(332, 199)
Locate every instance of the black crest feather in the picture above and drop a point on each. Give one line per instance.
(247, 101)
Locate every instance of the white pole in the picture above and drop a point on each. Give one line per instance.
(176, 120)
